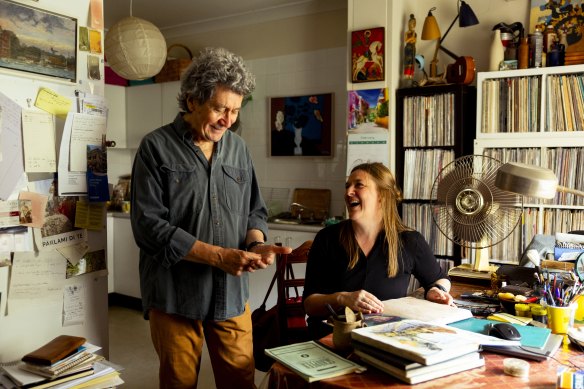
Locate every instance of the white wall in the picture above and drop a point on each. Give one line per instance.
(305, 73)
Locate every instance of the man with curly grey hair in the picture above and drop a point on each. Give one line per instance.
(200, 222)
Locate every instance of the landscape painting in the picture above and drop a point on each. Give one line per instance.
(37, 41)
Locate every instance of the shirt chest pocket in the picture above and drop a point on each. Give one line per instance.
(185, 188)
(236, 181)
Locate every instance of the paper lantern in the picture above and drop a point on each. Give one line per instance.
(135, 48)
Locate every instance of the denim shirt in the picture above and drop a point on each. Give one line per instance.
(178, 197)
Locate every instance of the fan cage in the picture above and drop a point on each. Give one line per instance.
(468, 208)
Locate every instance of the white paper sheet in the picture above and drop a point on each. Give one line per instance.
(70, 183)
(37, 275)
(38, 133)
(85, 130)
(12, 167)
(371, 147)
(73, 305)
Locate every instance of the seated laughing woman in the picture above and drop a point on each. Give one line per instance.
(369, 257)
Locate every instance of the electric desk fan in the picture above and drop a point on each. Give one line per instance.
(471, 211)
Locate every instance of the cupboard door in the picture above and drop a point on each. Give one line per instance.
(116, 120)
(143, 112)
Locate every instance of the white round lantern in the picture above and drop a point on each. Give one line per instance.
(135, 48)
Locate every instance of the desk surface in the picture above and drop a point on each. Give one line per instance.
(541, 374)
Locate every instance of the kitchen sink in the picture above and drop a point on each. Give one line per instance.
(295, 221)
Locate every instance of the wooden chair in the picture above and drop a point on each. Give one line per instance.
(291, 314)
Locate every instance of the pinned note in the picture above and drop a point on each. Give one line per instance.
(50, 101)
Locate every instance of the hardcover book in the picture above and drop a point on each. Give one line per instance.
(312, 361)
(424, 373)
(418, 341)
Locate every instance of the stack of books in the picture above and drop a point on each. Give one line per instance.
(64, 362)
(415, 351)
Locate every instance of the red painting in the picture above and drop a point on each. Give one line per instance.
(367, 55)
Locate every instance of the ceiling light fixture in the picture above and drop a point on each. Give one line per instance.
(135, 48)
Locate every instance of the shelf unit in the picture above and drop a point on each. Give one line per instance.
(433, 127)
(535, 116)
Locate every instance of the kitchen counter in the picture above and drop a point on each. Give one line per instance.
(295, 227)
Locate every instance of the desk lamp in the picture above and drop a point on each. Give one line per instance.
(530, 180)
(430, 31)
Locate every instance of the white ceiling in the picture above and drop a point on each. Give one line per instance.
(168, 14)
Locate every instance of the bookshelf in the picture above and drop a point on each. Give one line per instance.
(433, 127)
(535, 116)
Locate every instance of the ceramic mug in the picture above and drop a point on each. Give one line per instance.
(342, 333)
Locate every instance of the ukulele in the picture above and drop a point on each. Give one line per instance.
(462, 71)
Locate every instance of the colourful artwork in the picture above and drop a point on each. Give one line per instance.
(368, 110)
(567, 15)
(301, 125)
(367, 55)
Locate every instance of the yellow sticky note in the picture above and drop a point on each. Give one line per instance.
(50, 101)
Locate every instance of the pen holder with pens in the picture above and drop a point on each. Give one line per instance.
(561, 318)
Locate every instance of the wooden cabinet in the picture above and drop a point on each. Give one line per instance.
(535, 116)
(433, 127)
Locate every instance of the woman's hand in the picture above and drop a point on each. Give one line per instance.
(361, 301)
(439, 296)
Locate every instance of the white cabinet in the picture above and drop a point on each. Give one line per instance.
(125, 257)
(136, 110)
(535, 116)
(116, 121)
(143, 111)
(170, 91)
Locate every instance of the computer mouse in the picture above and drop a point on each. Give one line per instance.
(504, 331)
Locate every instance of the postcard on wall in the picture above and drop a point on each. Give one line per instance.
(368, 110)
(367, 55)
(37, 275)
(32, 209)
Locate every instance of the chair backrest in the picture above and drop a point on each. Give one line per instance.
(292, 317)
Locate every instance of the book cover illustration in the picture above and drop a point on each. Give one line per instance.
(416, 340)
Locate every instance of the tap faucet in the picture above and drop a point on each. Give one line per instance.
(299, 207)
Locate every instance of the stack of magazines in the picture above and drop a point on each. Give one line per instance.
(64, 362)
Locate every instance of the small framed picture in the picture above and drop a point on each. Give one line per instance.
(301, 126)
(368, 55)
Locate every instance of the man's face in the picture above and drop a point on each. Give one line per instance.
(211, 119)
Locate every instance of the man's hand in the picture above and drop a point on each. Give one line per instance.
(267, 255)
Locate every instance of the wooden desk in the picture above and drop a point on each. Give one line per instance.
(541, 374)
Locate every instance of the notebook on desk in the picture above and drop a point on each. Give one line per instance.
(538, 354)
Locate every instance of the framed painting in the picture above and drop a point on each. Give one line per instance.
(563, 15)
(301, 126)
(367, 55)
(37, 41)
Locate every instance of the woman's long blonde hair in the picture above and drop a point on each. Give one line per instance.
(390, 196)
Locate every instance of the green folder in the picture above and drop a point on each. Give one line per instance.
(530, 336)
